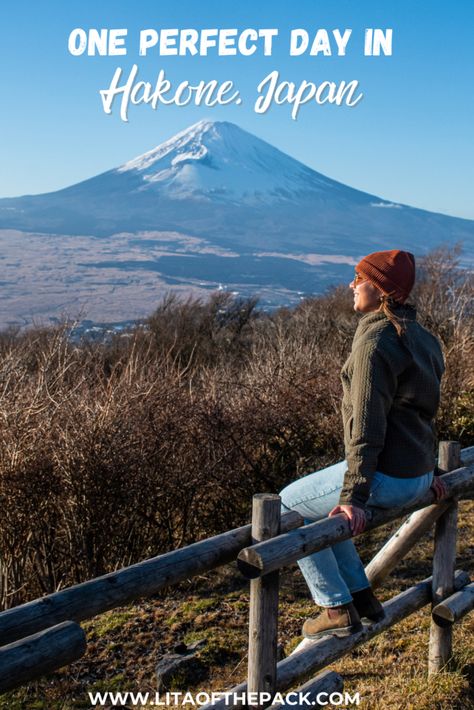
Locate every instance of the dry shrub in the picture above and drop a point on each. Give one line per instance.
(197, 331)
(116, 451)
(445, 298)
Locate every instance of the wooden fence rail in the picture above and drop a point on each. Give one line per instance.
(83, 601)
(265, 557)
(412, 529)
(402, 542)
(454, 607)
(314, 691)
(320, 653)
(41, 653)
(274, 547)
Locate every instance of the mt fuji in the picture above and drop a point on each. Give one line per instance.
(215, 205)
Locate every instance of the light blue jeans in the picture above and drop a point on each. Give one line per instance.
(333, 573)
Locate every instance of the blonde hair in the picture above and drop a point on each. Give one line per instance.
(387, 305)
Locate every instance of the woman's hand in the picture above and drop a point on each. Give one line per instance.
(439, 488)
(357, 519)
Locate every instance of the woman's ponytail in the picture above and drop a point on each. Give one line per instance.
(387, 306)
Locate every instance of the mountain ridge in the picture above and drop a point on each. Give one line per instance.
(221, 166)
(212, 207)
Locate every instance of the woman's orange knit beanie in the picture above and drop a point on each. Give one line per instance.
(392, 272)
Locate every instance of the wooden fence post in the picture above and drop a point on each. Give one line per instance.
(444, 560)
(263, 622)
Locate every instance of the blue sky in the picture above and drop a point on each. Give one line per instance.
(409, 140)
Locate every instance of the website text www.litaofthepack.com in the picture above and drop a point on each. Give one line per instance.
(230, 699)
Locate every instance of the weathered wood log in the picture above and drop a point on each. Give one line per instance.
(143, 579)
(315, 693)
(42, 653)
(264, 557)
(455, 607)
(444, 561)
(324, 651)
(329, 649)
(263, 619)
(449, 456)
(407, 535)
(467, 455)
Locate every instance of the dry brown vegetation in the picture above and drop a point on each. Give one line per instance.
(112, 452)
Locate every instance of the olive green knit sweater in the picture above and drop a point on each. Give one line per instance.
(391, 394)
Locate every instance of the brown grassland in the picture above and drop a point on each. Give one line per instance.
(115, 451)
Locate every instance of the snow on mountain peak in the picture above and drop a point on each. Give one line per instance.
(189, 138)
(220, 159)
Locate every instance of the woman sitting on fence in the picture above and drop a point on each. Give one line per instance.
(391, 386)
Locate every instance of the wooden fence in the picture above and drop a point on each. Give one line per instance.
(43, 635)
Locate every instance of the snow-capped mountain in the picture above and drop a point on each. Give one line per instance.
(220, 161)
(212, 206)
(219, 182)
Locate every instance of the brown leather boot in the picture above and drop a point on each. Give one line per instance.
(368, 606)
(333, 621)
